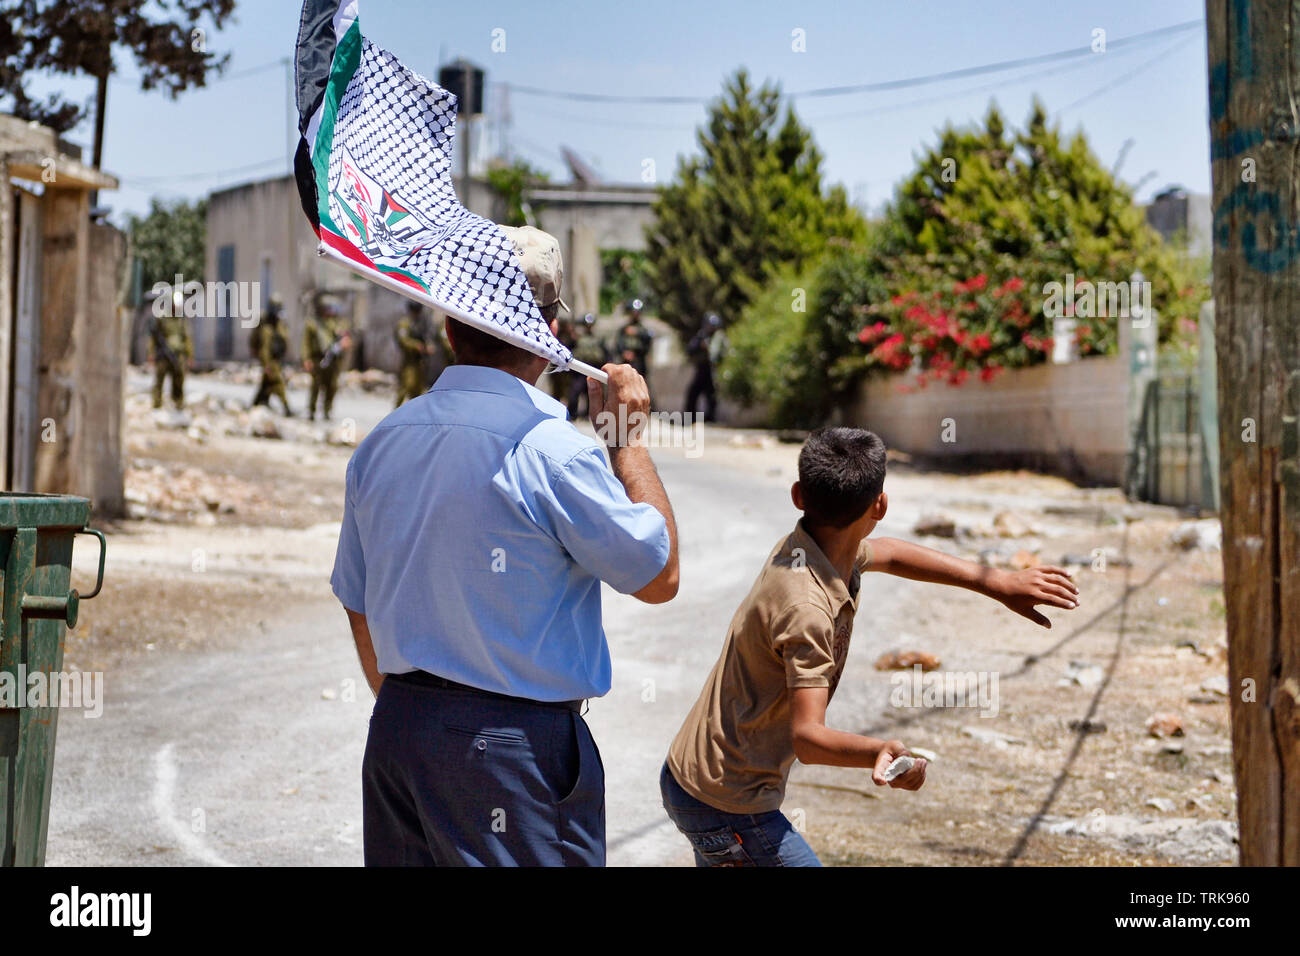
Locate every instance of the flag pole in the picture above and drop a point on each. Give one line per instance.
(401, 288)
(588, 370)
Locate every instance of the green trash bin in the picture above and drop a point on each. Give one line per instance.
(36, 535)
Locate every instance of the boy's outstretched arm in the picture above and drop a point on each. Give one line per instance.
(1018, 590)
(814, 742)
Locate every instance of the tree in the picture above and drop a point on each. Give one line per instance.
(623, 278)
(78, 36)
(512, 182)
(796, 347)
(1026, 206)
(954, 277)
(771, 354)
(749, 207)
(170, 241)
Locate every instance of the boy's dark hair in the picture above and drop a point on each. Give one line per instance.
(841, 472)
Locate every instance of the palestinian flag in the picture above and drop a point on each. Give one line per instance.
(374, 173)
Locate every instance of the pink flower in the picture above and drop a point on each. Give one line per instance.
(872, 332)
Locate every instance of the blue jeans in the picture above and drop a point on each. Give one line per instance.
(733, 839)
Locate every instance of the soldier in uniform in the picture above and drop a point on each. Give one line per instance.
(632, 344)
(706, 350)
(324, 341)
(269, 343)
(170, 347)
(590, 349)
(568, 337)
(415, 338)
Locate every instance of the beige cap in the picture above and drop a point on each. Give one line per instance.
(539, 254)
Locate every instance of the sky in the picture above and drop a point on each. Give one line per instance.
(1151, 93)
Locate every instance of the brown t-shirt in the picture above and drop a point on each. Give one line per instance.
(734, 751)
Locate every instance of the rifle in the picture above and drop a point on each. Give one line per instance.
(331, 355)
(161, 348)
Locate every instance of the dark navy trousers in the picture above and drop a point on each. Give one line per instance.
(457, 778)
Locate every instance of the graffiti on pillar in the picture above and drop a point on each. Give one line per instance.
(1257, 216)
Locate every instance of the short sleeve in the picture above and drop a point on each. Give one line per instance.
(803, 636)
(349, 577)
(864, 555)
(611, 537)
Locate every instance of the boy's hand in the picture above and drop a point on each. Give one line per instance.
(912, 780)
(1022, 590)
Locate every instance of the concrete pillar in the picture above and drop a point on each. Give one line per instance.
(63, 305)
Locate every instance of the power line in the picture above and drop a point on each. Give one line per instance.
(872, 87)
(218, 77)
(229, 171)
(239, 74)
(947, 97)
(1004, 65)
(613, 123)
(1120, 80)
(539, 150)
(855, 114)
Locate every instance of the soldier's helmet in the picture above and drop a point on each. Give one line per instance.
(274, 306)
(413, 308)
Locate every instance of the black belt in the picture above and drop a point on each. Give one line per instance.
(425, 679)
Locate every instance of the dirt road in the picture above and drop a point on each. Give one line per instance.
(236, 715)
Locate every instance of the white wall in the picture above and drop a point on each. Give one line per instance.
(1068, 418)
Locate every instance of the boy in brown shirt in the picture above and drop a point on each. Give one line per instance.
(764, 704)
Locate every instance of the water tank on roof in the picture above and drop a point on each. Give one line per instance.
(465, 80)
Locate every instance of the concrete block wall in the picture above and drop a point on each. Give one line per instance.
(1069, 419)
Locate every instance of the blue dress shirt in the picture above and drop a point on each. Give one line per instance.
(478, 524)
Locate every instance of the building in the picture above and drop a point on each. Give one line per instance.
(63, 330)
(1180, 216)
(256, 232)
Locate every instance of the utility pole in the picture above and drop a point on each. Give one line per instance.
(1255, 159)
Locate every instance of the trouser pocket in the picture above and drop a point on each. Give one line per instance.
(721, 846)
(581, 811)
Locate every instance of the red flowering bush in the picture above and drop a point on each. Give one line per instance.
(957, 329)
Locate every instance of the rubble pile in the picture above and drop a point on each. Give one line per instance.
(371, 380)
(237, 374)
(205, 417)
(175, 493)
(906, 660)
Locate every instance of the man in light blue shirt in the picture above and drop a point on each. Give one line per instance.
(478, 525)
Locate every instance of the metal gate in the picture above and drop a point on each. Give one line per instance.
(1167, 462)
